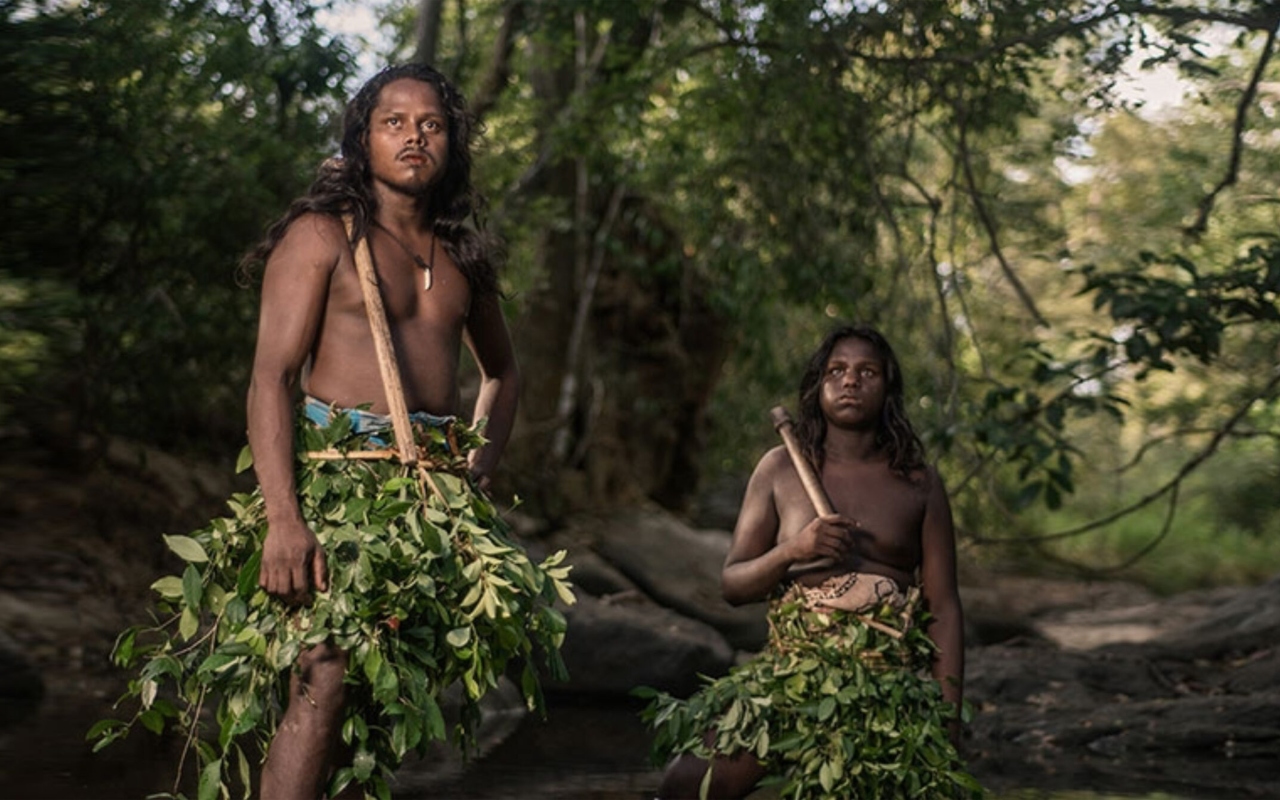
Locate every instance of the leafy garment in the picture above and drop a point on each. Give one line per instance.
(426, 590)
(839, 704)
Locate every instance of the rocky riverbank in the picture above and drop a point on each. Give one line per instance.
(1075, 685)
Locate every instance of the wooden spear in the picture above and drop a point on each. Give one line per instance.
(808, 478)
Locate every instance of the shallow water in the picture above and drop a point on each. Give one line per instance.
(585, 752)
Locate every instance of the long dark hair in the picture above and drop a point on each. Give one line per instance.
(345, 185)
(894, 435)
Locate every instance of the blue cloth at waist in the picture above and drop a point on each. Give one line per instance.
(366, 422)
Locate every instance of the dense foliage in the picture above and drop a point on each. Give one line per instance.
(823, 723)
(426, 591)
(146, 145)
(692, 190)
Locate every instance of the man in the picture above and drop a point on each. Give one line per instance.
(404, 175)
(382, 581)
(843, 588)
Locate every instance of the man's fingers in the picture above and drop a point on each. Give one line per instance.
(320, 570)
(298, 581)
(269, 579)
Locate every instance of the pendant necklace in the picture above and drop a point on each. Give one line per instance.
(425, 266)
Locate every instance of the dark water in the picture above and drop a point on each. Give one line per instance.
(584, 752)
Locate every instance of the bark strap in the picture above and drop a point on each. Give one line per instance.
(384, 347)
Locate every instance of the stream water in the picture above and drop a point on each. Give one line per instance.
(585, 752)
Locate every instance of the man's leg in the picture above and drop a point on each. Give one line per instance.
(298, 761)
(731, 777)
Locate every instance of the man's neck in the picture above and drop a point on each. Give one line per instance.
(398, 211)
(850, 446)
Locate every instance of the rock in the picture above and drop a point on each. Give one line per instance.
(678, 567)
(1189, 704)
(617, 644)
(595, 576)
(1234, 621)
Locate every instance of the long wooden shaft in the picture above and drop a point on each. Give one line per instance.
(808, 478)
(812, 485)
(384, 348)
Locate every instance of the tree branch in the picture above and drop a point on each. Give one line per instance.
(1171, 485)
(988, 224)
(1196, 229)
(498, 77)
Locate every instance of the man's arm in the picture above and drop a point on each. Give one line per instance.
(490, 343)
(757, 562)
(942, 595)
(294, 290)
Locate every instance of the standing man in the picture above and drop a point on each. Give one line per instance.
(405, 179)
(836, 705)
(369, 584)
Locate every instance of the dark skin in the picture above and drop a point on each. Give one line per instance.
(312, 308)
(884, 524)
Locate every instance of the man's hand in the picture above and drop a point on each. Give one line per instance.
(293, 563)
(478, 470)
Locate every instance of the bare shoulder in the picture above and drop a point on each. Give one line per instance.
(313, 237)
(773, 464)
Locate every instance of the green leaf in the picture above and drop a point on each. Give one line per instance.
(192, 588)
(244, 460)
(187, 549)
(458, 637)
(188, 624)
(210, 781)
(363, 764)
(168, 587)
(104, 726)
(247, 578)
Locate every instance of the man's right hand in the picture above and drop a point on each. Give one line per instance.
(293, 563)
(825, 537)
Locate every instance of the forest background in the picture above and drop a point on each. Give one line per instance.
(1083, 291)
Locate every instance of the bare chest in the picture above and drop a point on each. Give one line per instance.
(432, 301)
(888, 510)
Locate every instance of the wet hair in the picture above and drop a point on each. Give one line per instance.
(345, 185)
(894, 434)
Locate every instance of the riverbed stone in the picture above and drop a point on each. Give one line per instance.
(616, 644)
(679, 567)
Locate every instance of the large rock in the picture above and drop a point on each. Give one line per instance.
(1135, 695)
(613, 646)
(678, 567)
(1235, 620)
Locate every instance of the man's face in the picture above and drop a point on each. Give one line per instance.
(853, 385)
(408, 137)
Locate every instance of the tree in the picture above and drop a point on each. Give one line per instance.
(796, 160)
(146, 144)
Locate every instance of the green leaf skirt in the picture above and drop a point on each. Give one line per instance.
(837, 705)
(427, 589)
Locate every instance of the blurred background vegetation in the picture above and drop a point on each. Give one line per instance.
(1082, 288)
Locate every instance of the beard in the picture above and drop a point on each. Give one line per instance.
(414, 190)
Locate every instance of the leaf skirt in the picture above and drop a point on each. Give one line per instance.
(837, 705)
(427, 590)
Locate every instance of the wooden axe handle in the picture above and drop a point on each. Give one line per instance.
(808, 478)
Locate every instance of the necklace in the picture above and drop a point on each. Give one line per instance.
(425, 266)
